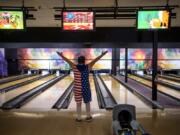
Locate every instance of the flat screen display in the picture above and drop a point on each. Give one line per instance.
(11, 20)
(74, 21)
(153, 19)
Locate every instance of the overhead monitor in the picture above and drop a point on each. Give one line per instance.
(78, 20)
(12, 20)
(153, 19)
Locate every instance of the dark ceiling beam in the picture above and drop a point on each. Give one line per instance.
(124, 7)
(115, 12)
(105, 16)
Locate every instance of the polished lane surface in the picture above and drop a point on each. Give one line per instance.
(4, 97)
(161, 88)
(10, 77)
(48, 98)
(17, 81)
(94, 103)
(139, 79)
(165, 80)
(173, 77)
(169, 81)
(121, 94)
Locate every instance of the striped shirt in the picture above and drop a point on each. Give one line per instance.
(81, 83)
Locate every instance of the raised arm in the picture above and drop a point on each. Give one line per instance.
(65, 59)
(91, 64)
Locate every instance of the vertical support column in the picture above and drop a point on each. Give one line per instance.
(64, 4)
(126, 65)
(119, 60)
(115, 60)
(115, 9)
(154, 65)
(11, 56)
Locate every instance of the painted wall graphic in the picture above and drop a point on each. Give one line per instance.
(139, 54)
(1, 54)
(135, 54)
(139, 64)
(137, 58)
(47, 58)
(169, 64)
(122, 64)
(136, 64)
(11, 20)
(3, 63)
(169, 53)
(122, 53)
(169, 58)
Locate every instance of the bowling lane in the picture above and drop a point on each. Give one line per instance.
(10, 77)
(121, 94)
(161, 88)
(169, 81)
(18, 81)
(139, 79)
(165, 80)
(49, 97)
(94, 103)
(4, 97)
(173, 77)
(169, 91)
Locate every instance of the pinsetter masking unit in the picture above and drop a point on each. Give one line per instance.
(124, 121)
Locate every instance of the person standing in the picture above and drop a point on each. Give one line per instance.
(81, 83)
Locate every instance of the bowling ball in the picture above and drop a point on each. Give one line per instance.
(127, 131)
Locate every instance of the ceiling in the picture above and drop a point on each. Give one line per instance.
(45, 14)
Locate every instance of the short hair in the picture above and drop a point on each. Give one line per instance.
(81, 60)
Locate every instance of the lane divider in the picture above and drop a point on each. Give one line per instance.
(23, 98)
(15, 78)
(170, 78)
(154, 104)
(65, 99)
(7, 89)
(109, 100)
(101, 101)
(177, 99)
(173, 86)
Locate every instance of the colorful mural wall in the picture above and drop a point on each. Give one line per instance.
(47, 58)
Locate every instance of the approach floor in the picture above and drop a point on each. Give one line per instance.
(62, 123)
(37, 118)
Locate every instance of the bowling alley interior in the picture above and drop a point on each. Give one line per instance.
(89, 67)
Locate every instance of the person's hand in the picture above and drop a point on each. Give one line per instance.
(60, 53)
(104, 52)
